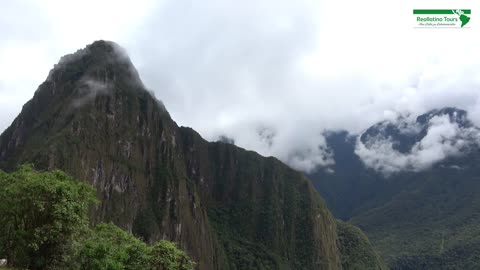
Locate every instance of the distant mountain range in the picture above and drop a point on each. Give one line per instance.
(413, 185)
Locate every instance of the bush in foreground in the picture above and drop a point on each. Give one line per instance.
(110, 248)
(44, 217)
(41, 213)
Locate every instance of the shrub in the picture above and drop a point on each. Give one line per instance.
(166, 256)
(108, 247)
(41, 213)
(44, 225)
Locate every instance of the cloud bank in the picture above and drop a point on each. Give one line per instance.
(271, 75)
(444, 138)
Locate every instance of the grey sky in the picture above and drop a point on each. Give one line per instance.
(290, 69)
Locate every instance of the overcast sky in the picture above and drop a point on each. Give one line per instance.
(271, 74)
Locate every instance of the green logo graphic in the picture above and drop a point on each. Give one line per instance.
(463, 18)
(442, 17)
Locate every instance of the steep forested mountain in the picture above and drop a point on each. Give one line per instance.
(228, 207)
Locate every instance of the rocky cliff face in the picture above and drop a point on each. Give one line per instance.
(230, 208)
(262, 209)
(93, 118)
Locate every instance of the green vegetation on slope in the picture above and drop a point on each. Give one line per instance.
(431, 224)
(357, 252)
(266, 215)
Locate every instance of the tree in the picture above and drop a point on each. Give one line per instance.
(41, 213)
(44, 225)
(108, 247)
(166, 256)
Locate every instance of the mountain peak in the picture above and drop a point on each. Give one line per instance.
(94, 84)
(101, 61)
(99, 51)
(404, 133)
(106, 45)
(455, 115)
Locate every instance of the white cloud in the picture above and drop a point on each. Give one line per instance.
(444, 138)
(231, 67)
(88, 89)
